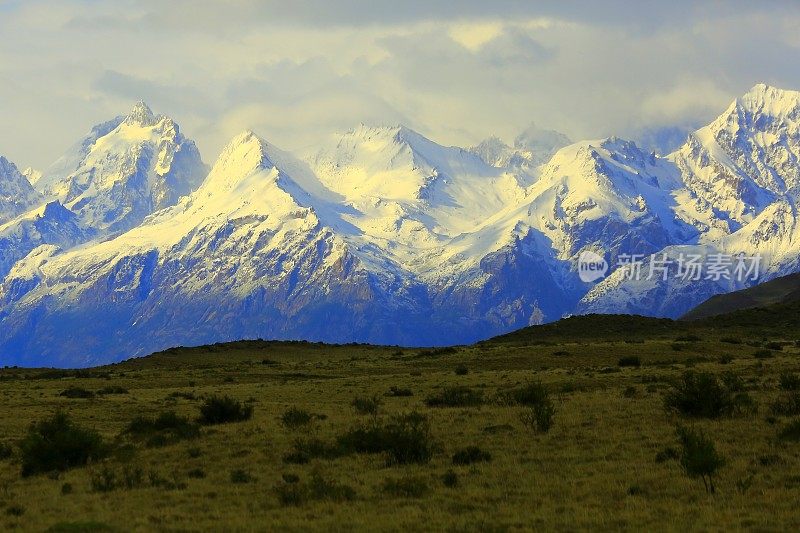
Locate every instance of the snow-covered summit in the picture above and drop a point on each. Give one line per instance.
(125, 169)
(16, 192)
(381, 235)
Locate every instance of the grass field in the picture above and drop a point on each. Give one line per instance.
(610, 460)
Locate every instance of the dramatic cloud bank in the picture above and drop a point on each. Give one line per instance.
(295, 71)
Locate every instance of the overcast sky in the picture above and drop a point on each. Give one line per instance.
(295, 71)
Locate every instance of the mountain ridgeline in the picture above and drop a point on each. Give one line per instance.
(128, 244)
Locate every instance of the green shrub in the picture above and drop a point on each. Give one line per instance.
(630, 392)
(364, 405)
(295, 417)
(407, 487)
(196, 473)
(688, 338)
(166, 428)
(77, 393)
(788, 404)
(763, 354)
(731, 340)
(462, 370)
(470, 455)
(777, 346)
(107, 480)
(529, 395)
(699, 457)
(458, 396)
(317, 488)
(112, 389)
(6, 451)
(15, 510)
(223, 410)
(399, 392)
(58, 444)
(789, 381)
(240, 476)
(304, 450)
(699, 395)
(630, 360)
(405, 439)
(539, 417)
(450, 479)
(667, 454)
(791, 431)
(535, 396)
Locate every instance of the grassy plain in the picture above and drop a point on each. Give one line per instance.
(604, 464)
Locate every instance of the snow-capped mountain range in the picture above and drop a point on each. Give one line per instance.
(129, 244)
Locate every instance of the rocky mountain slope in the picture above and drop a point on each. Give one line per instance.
(381, 235)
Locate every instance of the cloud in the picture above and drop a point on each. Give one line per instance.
(294, 71)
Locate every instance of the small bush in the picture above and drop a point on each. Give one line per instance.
(240, 476)
(470, 455)
(196, 473)
(436, 352)
(405, 439)
(699, 457)
(407, 487)
(6, 451)
(295, 417)
(731, 340)
(366, 405)
(107, 480)
(77, 393)
(687, 338)
(791, 431)
(459, 396)
(787, 405)
(630, 392)
(184, 395)
(58, 444)
(700, 395)
(790, 381)
(630, 360)
(763, 354)
(304, 450)
(529, 395)
(223, 410)
(539, 417)
(725, 359)
(777, 346)
(398, 392)
(112, 389)
(450, 479)
(667, 454)
(166, 428)
(15, 510)
(317, 488)
(462, 370)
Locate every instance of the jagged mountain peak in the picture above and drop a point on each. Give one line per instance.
(141, 115)
(766, 99)
(541, 139)
(16, 192)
